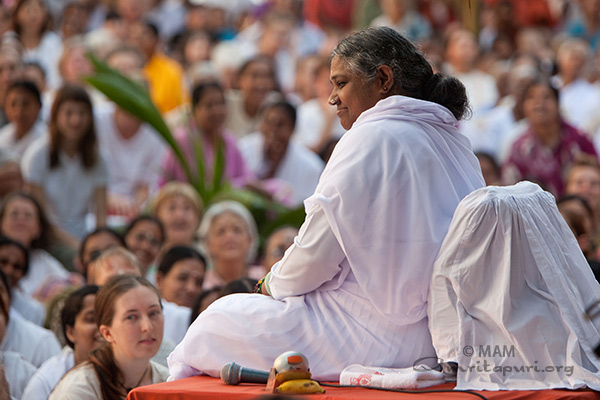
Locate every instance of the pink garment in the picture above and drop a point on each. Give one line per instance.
(530, 159)
(235, 168)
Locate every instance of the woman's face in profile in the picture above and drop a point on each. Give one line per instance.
(84, 333)
(351, 94)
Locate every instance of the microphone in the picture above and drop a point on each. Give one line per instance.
(234, 374)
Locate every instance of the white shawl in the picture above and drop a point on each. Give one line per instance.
(509, 292)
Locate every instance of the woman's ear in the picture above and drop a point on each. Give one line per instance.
(385, 76)
(69, 333)
(106, 333)
(159, 279)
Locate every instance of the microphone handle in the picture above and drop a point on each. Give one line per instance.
(253, 376)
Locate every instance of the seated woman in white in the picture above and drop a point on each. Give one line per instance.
(14, 262)
(23, 219)
(353, 287)
(15, 369)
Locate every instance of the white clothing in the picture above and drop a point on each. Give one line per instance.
(300, 168)
(510, 274)
(82, 383)
(8, 137)
(169, 18)
(579, 103)
(166, 348)
(33, 342)
(131, 162)
(353, 287)
(68, 188)
(177, 321)
(48, 375)
(310, 123)
(17, 372)
(488, 131)
(47, 54)
(481, 89)
(42, 268)
(29, 308)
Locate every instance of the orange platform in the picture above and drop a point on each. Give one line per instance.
(207, 388)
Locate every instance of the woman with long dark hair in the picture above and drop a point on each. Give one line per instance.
(64, 170)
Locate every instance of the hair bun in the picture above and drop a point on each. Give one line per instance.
(430, 85)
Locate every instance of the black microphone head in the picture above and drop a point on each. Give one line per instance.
(230, 373)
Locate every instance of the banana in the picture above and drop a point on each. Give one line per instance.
(300, 386)
(291, 375)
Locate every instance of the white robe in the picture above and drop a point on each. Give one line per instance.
(508, 295)
(49, 374)
(353, 287)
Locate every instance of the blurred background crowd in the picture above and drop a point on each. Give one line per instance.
(89, 191)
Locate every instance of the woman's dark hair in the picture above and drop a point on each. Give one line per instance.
(143, 218)
(4, 241)
(102, 358)
(540, 82)
(201, 88)
(4, 280)
(242, 285)
(27, 86)
(575, 197)
(15, 23)
(46, 230)
(197, 308)
(72, 307)
(176, 254)
(366, 50)
(261, 58)
(4, 308)
(102, 229)
(282, 105)
(87, 144)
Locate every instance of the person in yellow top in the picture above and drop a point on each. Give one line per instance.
(164, 75)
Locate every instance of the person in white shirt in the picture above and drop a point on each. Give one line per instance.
(23, 219)
(14, 369)
(64, 170)
(579, 100)
(14, 263)
(82, 336)
(287, 170)
(22, 107)
(133, 152)
(34, 343)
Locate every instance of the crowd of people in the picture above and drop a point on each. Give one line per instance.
(96, 211)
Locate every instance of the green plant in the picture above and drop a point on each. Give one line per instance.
(135, 99)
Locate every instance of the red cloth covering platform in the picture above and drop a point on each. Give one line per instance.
(204, 387)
